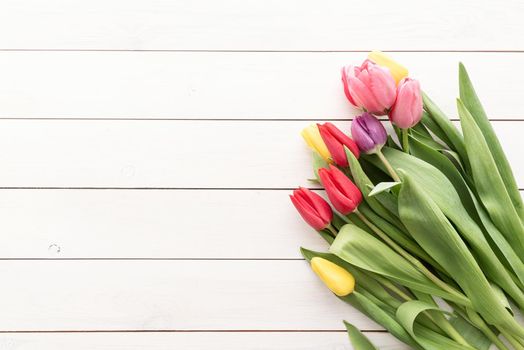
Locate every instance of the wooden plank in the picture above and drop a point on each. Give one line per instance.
(192, 341)
(151, 224)
(261, 25)
(211, 85)
(174, 154)
(169, 295)
(122, 224)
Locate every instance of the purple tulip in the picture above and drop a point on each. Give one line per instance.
(368, 133)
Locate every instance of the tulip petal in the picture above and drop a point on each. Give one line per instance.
(407, 110)
(345, 83)
(336, 149)
(345, 184)
(382, 86)
(313, 139)
(398, 71)
(319, 204)
(336, 278)
(335, 140)
(342, 193)
(368, 133)
(307, 212)
(313, 208)
(344, 140)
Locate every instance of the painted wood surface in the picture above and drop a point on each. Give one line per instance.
(148, 148)
(230, 85)
(261, 25)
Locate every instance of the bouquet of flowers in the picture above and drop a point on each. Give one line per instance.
(425, 225)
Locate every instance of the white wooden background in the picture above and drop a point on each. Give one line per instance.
(147, 148)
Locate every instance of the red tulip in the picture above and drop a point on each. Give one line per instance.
(313, 208)
(342, 193)
(335, 141)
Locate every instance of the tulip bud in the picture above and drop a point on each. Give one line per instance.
(407, 110)
(398, 71)
(335, 140)
(370, 87)
(313, 208)
(343, 194)
(313, 139)
(336, 278)
(369, 133)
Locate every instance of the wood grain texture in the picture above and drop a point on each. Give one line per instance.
(225, 85)
(85, 224)
(169, 295)
(214, 192)
(154, 224)
(173, 154)
(261, 25)
(192, 341)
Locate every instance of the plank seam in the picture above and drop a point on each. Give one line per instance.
(254, 51)
(152, 259)
(493, 120)
(163, 188)
(194, 331)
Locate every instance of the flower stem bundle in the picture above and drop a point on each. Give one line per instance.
(424, 225)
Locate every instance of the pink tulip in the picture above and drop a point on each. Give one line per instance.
(370, 87)
(407, 110)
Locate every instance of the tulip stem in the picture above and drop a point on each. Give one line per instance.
(389, 285)
(482, 326)
(514, 342)
(332, 230)
(405, 140)
(414, 261)
(388, 166)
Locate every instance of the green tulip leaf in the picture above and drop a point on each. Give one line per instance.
(442, 163)
(442, 191)
(389, 322)
(472, 334)
(472, 103)
(491, 189)
(381, 187)
(470, 203)
(449, 131)
(427, 140)
(358, 340)
(435, 129)
(421, 215)
(363, 250)
(369, 297)
(407, 315)
(364, 183)
(318, 163)
(421, 129)
(364, 280)
(400, 237)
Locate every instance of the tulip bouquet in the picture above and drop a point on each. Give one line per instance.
(425, 225)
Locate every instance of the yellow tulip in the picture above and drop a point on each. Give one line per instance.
(398, 71)
(313, 139)
(336, 278)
